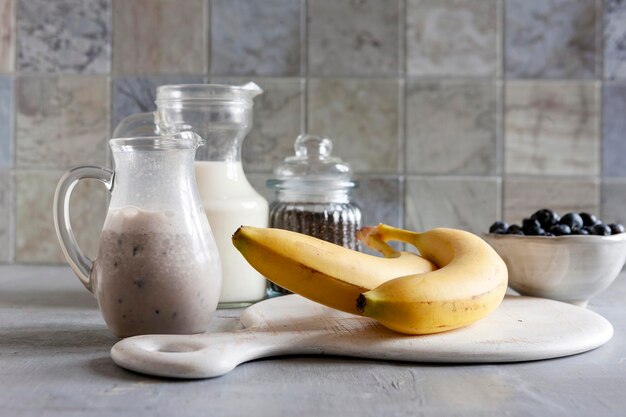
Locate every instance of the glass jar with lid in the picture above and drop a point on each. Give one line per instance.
(313, 195)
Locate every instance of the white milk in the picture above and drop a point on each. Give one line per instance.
(230, 201)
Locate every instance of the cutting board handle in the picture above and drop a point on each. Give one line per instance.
(207, 355)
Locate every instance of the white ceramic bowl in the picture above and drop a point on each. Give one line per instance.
(565, 268)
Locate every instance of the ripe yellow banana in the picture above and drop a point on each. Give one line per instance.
(323, 272)
(469, 284)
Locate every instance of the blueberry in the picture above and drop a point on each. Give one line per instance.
(573, 220)
(601, 229)
(548, 234)
(560, 230)
(588, 219)
(580, 232)
(530, 226)
(515, 229)
(546, 217)
(534, 232)
(616, 228)
(500, 226)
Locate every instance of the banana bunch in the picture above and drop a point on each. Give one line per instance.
(458, 279)
(321, 271)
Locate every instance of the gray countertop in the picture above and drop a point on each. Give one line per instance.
(54, 361)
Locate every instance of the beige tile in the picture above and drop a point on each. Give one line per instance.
(7, 35)
(361, 116)
(36, 241)
(160, 37)
(552, 128)
(524, 196)
(62, 121)
(467, 203)
(452, 37)
(6, 214)
(452, 127)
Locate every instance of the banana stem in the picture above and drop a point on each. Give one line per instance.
(373, 240)
(377, 236)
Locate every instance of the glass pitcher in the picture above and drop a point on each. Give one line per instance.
(222, 116)
(157, 268)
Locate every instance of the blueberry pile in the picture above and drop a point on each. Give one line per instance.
(547, 222)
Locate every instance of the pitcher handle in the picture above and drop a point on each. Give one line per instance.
(80, 263)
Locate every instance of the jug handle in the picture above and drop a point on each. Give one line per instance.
(78, 261)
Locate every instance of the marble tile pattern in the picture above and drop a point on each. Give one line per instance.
(62, 121)
(452, 38)
(277, 115)
(159, 37)
(613, 201)
(552, 38)
(379, 198)
(615, 39)
(436, 146)
(250, 37)
(614, 130)
(348, 37)
(6, 121)
(7, 35)
(362, 118)
(276, 123)
(68, 36)
(6, 215)
(552, 128)
(524, 196)
(468, 203)
(35, 238)
(136, 94)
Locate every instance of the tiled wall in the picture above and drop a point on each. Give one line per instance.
(452, 112)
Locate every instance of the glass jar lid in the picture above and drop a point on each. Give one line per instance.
(313, 167)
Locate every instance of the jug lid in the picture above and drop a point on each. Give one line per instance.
(313, 165)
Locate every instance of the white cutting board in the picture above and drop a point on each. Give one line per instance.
(521, 329)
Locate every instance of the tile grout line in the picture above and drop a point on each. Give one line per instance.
(304, 62)
(12, 171)
(13, 129)
(209, 39)
(600, 94)
(501, 109)
(402, 194)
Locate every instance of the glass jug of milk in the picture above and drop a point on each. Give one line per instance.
(222, 116)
